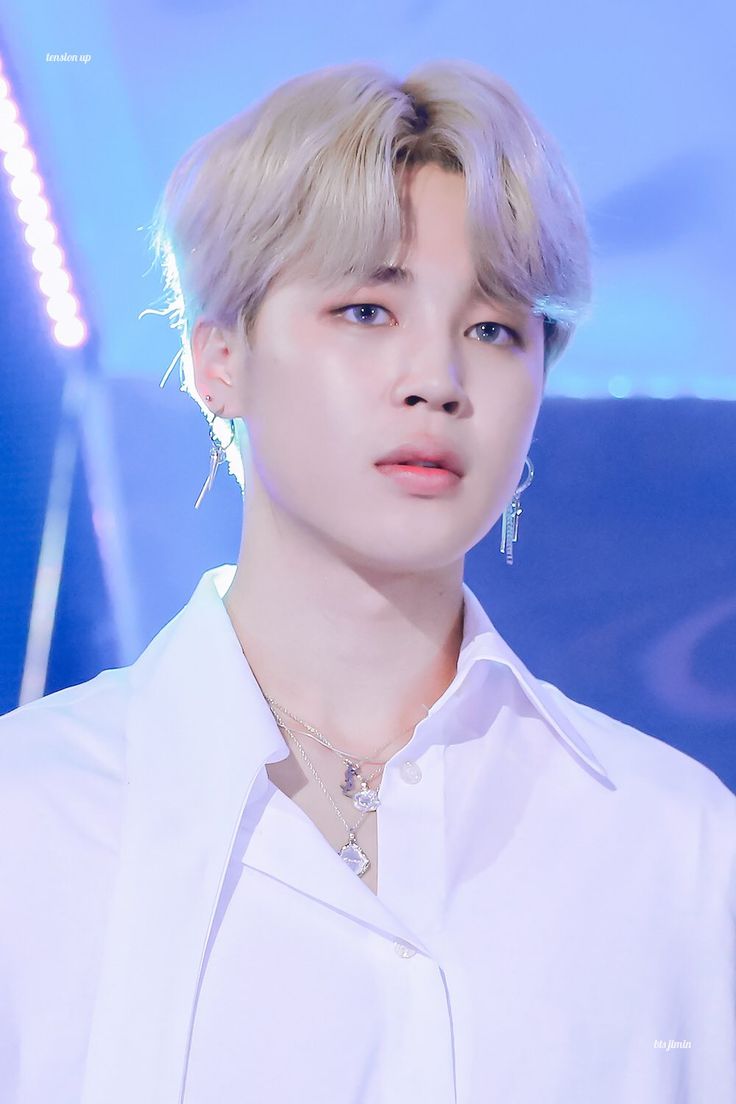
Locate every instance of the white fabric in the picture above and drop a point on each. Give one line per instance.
(555, 896)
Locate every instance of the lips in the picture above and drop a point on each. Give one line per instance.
(429, 452)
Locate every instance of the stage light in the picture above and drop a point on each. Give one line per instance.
(40, 235)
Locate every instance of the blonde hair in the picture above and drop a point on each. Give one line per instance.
(309, 179)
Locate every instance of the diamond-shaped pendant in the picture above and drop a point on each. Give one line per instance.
(355, 857)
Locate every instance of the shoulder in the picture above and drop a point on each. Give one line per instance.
(667, 811)
(79, 727)
(62, 758)
(62, 789)
(647, 770)
(62, 796)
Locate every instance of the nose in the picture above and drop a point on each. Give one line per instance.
(433, 379)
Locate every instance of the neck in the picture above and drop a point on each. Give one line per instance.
(358, 653)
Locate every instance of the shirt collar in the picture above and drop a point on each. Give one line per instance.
(481, 642)
(197, 733)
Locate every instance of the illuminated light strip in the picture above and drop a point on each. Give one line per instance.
(41, 234)
(70, 333)
(84, 430)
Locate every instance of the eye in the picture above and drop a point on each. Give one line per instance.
(363, 307)
(513, 335)
(368, 312)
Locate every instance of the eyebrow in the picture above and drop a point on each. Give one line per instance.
(391, 274)
(403, 277)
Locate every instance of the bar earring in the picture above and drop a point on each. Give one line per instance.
(217, 453)
(510, 528)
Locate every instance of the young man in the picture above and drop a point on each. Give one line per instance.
(328, 839)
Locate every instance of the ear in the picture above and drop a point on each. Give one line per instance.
(217, 361)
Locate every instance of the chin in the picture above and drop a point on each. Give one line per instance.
(403, 559)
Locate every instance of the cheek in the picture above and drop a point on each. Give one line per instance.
(505, 417)
(509, 399)
(304, 420)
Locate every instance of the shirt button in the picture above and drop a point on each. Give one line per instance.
(404, 950)
(410, 772)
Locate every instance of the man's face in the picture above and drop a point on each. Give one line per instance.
(338, 378)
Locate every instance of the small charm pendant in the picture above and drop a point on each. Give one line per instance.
(366, 800)
(355, 857)
(350, 775)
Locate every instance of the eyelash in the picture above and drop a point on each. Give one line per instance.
(511, 332)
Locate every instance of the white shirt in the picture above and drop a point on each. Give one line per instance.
(556, 897)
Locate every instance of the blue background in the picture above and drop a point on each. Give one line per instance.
(623, 590)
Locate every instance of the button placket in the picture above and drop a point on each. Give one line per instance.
(412, 831)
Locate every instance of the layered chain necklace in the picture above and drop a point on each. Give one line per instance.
(366, 798)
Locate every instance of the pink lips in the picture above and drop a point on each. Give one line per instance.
(428, 450)
(418, 480)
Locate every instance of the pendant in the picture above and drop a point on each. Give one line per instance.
(366, 800)
(354, 856)
(351, 774)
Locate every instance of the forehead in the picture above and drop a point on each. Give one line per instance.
(435, 215)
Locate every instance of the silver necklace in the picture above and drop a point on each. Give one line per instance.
(366, 799)
(351, 852)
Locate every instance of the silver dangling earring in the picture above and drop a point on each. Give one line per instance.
(217, 453)
(510, 529)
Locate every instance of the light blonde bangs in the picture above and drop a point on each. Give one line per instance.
(309, 182)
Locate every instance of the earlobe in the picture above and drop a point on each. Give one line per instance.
(217, 413)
